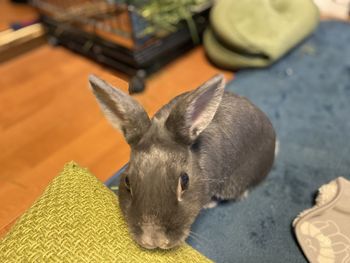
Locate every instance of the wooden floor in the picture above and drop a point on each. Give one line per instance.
(48, 117)
(10, 12)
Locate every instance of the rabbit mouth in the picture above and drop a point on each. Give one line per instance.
(164, 246)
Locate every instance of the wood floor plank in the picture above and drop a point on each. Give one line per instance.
(11, 12)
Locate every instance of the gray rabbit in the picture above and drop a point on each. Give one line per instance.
(203, 145)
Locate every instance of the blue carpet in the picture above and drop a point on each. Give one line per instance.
(307, 97)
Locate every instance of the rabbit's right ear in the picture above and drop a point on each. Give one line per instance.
(123, 112)
(193, 113)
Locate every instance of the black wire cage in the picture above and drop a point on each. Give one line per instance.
(115, 33)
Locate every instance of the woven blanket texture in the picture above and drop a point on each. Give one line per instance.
(77, 219)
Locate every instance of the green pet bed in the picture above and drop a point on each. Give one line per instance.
(255, 33)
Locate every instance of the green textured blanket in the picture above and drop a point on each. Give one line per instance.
(78, 219)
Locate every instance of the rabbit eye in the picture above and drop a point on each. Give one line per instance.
(184, 181)
(127, 183)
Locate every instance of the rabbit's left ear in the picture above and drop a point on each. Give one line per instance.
(194, 112)
(122, 111)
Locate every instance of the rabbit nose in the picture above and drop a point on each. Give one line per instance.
(153, 237)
